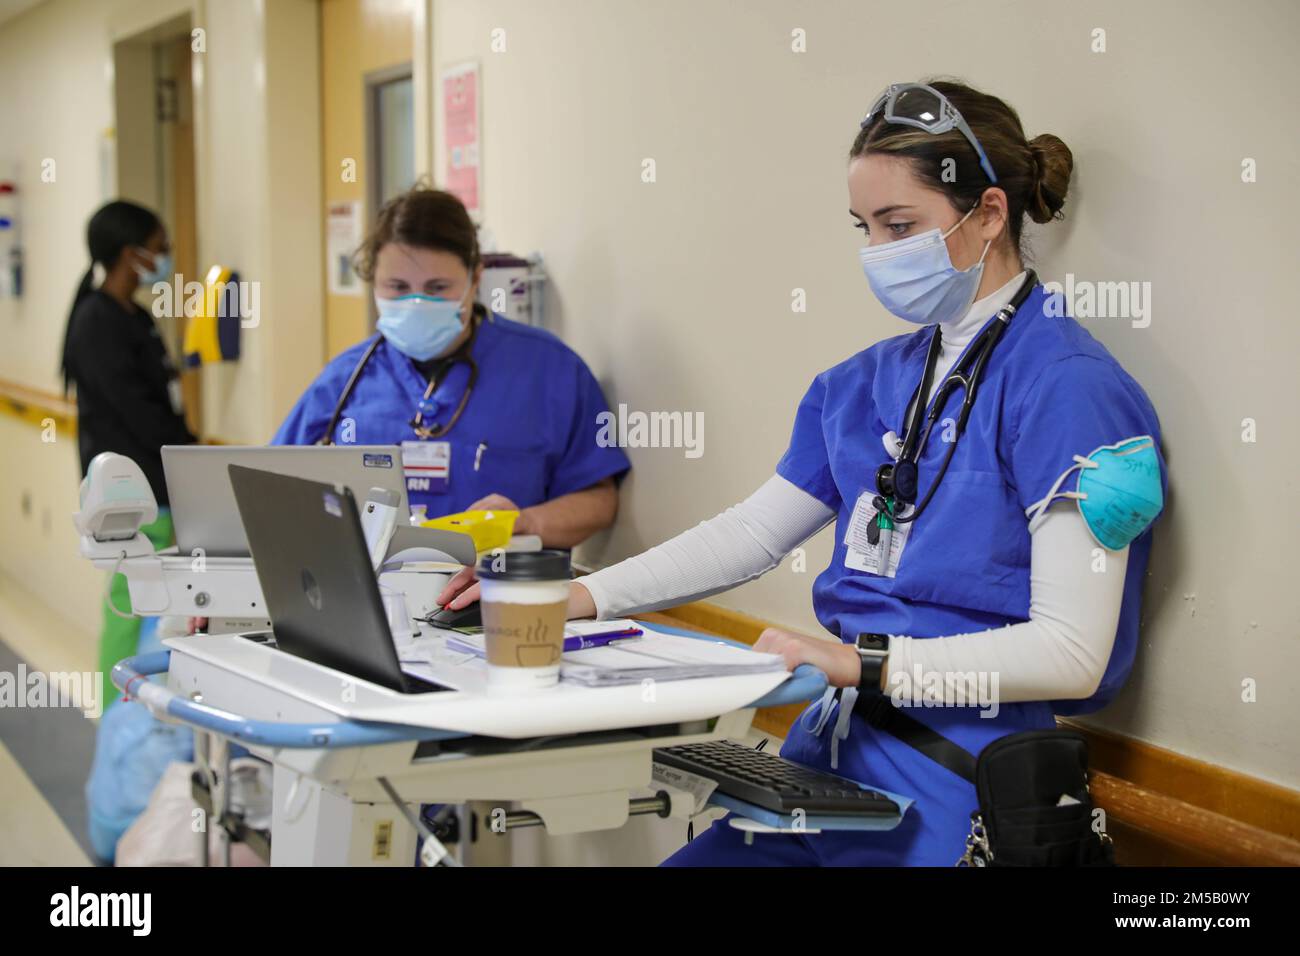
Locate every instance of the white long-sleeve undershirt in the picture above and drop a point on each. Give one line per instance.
(1060, 653)
(745, 541)
(957, 335)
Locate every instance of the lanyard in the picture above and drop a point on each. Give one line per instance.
(436, 430)
(463, 354)
(422, 430)
(896, 482)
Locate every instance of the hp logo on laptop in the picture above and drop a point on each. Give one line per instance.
(311, 589)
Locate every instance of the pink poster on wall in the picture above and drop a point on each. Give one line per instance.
(460, 92)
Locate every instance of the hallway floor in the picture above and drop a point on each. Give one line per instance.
(44, 755)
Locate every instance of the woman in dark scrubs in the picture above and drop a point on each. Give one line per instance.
(128, 395)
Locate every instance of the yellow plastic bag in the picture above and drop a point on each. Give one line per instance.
(489, 529)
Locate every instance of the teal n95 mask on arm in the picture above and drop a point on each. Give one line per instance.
(1119, 492)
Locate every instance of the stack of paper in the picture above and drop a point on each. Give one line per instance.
(663, 657)
(653, 656)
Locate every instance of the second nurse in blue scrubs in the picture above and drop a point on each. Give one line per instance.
(1015, 549)
(489, 413)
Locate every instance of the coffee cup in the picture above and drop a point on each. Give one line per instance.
(525, 599)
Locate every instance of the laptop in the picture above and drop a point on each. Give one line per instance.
(203, 507)
(310, 554)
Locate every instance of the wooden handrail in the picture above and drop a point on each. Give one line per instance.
(1209, 835)
(35, 406)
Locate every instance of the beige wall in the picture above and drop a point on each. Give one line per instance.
(259, 203)
(257, 96)
(358, 37)
(256, 91)
(678, 293)
(56, 69)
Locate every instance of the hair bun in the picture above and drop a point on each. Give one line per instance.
(1053, 163)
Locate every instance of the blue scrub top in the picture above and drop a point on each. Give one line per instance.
(1049, 392)
(533, 415)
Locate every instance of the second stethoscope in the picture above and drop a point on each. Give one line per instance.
(897, 483)
(422, 431)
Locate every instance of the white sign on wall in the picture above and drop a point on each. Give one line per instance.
(461, 100)
(343, 232)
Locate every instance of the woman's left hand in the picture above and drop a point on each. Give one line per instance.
(839, 661)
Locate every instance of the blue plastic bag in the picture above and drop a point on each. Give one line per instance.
(132, 751)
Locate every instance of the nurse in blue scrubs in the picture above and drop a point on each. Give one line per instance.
(489, 413)
(994, 548)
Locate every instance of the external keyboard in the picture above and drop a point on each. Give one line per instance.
(772, 782)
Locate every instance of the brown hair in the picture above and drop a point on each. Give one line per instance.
(425, 218)
(1034, 174)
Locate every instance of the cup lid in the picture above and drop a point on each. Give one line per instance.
(548, 564)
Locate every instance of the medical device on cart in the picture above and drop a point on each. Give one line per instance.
(353, 760)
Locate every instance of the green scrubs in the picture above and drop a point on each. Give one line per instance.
(120, 636)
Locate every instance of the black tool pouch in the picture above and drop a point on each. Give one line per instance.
(1020, 781)
(1034, 804)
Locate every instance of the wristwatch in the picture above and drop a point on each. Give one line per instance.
(873, 652)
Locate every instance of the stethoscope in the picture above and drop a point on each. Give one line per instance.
(897, 481)
(422, 430)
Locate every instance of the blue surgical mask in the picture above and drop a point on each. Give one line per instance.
(914, 277)
(419, 325)
(1119, 492)
(162, 270)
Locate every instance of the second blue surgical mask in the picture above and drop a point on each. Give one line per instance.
(418, 325)
(914, 278)
(1119, 492)
(162, 271)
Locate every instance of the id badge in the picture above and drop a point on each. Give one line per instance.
(427, 466)
(861, 554)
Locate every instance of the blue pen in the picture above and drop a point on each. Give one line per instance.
(570, 643)
(598, 640)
